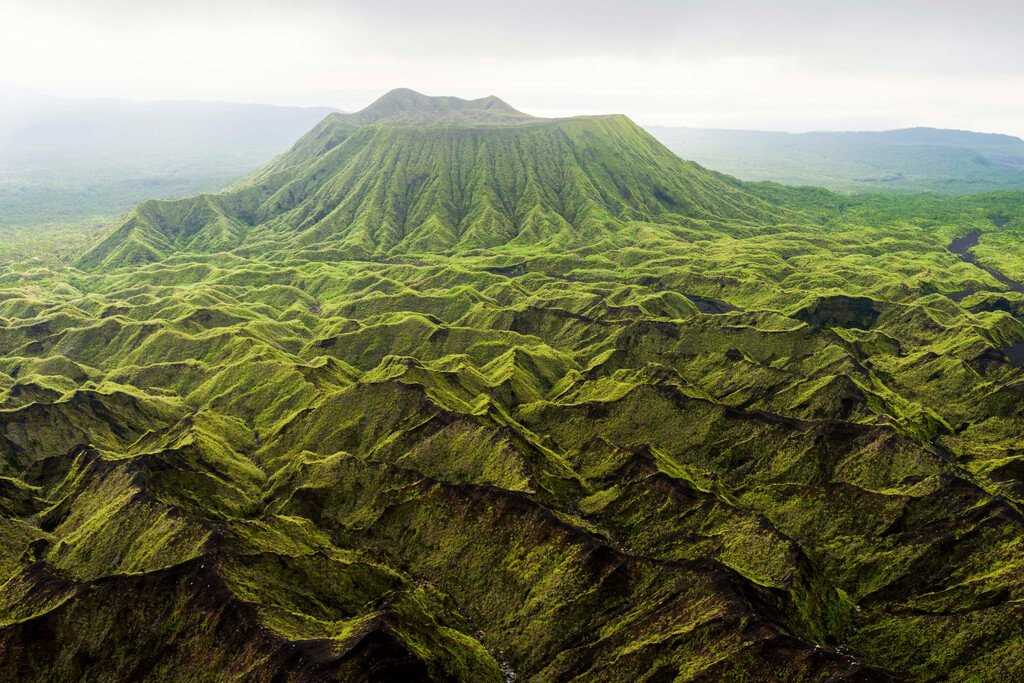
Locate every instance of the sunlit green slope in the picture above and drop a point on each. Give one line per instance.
(395, 178)
(451, 393)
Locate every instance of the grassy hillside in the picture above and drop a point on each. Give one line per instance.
(911, 160)
(379, 182)
(458, 394)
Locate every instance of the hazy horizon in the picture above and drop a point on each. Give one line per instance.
(373, 95)
(737, 65)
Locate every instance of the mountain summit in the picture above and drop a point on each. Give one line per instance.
(418, 174)
(403, 104)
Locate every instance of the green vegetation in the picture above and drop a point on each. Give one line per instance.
(910, 160)
(447, 392)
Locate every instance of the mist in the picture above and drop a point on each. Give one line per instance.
(794, 66)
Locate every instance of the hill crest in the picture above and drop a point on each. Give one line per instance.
(918, 159)
(406, 105)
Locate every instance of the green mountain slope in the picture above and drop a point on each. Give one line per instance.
(397, 179)
(910, 160)
(457, 398)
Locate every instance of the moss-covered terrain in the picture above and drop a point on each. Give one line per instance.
(452, 393)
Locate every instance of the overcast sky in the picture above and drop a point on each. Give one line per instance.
(783, 65)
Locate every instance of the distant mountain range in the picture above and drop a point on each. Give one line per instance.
(909, 160)
(68, 159)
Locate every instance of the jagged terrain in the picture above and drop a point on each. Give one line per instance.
(451, 393)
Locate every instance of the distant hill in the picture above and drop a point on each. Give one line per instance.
(415, 174)
(67, 159)
(909, 160)
(70, 160)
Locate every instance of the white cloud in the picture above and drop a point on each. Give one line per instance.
(733, 63)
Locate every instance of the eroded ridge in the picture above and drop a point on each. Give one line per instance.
(781, 443)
